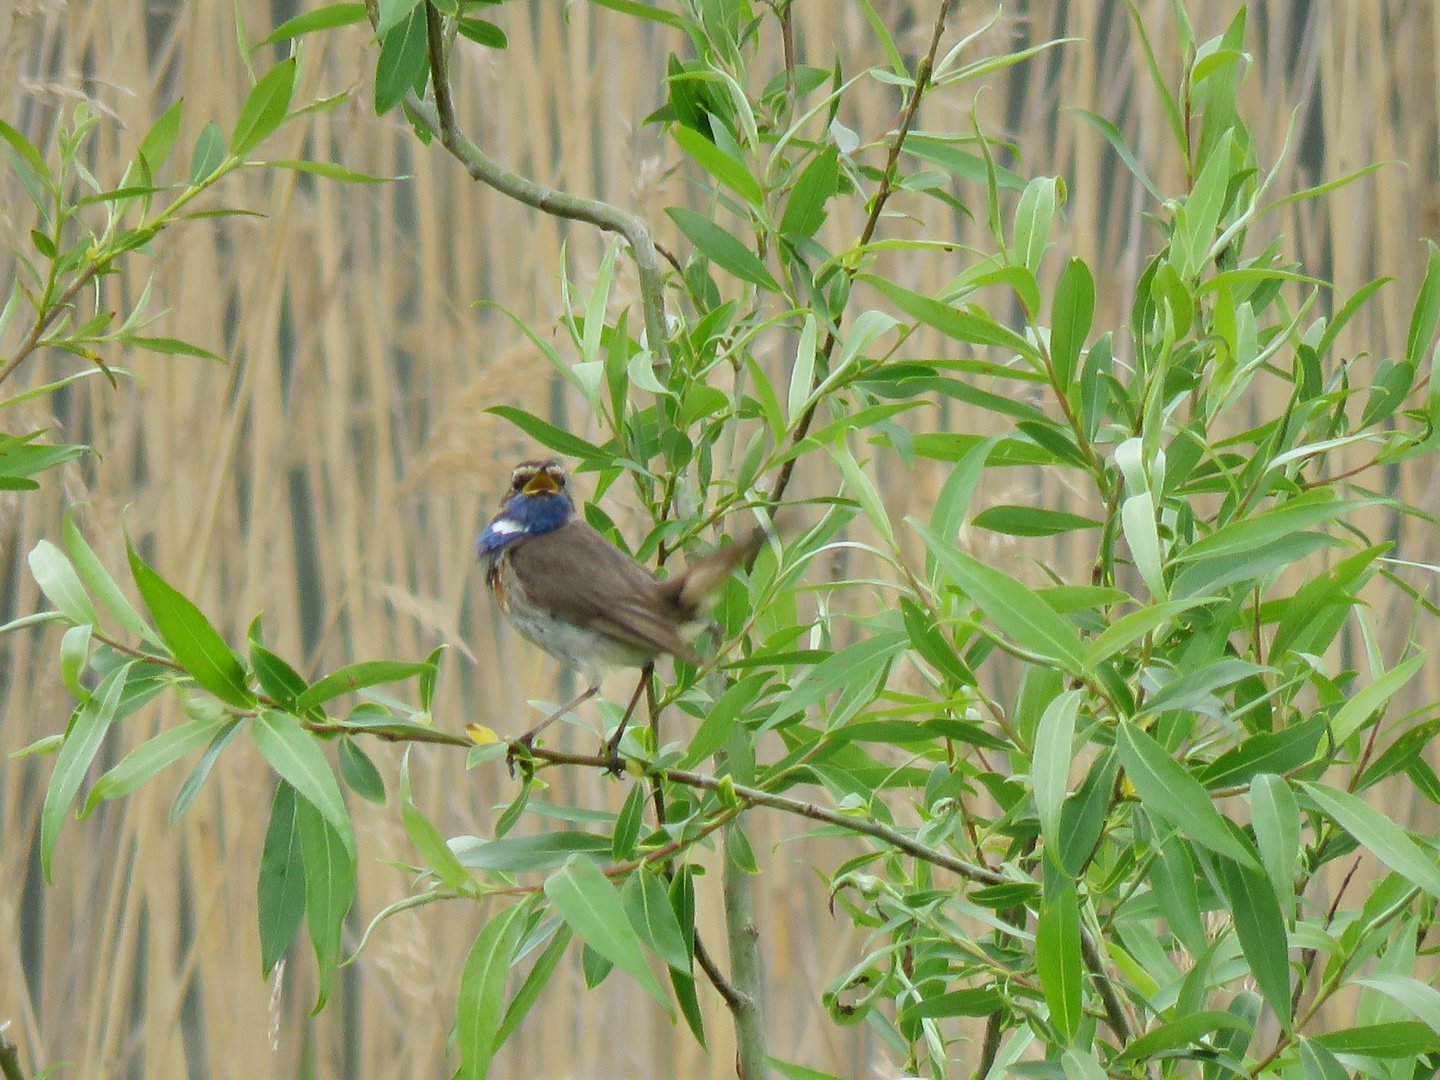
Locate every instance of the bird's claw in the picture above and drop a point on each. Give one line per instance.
(616, 763)
(520, 749)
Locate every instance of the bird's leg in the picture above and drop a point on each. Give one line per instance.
(528, 739)
(613, 747)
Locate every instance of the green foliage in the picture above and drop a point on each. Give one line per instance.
(1099, 820)
(85, 232)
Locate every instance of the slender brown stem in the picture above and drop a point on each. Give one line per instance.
(438, 118)
(702, 954)
(877, 205)
(787, 39)
(1115, 1014)
(715, 975)
(45, 318)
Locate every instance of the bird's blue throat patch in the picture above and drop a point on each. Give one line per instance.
(524, 515)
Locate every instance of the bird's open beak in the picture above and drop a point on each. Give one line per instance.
(542, 483)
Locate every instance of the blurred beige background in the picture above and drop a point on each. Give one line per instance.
(335, 473)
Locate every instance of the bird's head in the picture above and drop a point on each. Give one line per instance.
(536, 503)
(537, 478)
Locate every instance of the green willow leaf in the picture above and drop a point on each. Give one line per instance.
(1420, 998)
(1166, 788)
(325, 18)
(57, 579)
(1070, 319)
(329, 888)
(427, 838)
(192, 640)
(1248, 533)
(1276, 819)
(82, 743)
(549, 435)
(150, 757)
(105, 588)
(1397, 1039)
(721, 248)
(535, 981)
(264, 110)
(280, 891)
(357, 677)
(1032, 623)
(592, 908)
(1058, 960)
(627, 824)
(1130, 628)
(537, 851)
(733, 174)
(1050, 762)
(648, 905)
(1182, 1032)
(480, 1010)
(297, 757)
(1388, 841)
(483, 33)
(404, 60)
(1031, 521)
(1260, 927)
(1351, 716)
(968, 325)
(360, 774)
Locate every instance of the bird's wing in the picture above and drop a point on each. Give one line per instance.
(579, 576)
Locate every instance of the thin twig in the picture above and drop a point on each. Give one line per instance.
(1109, 998)
(715, 975)
(438, 119)
(882, 195)
(45, 318)
(702, 954)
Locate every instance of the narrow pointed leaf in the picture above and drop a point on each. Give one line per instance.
(590, 905)
(329, 888)
(280, 892)
(1167, 789)
(357, 677)
(81, 744)
(265, 108)
(1387, 840)
(191, 638)
(1058, 960)
(1050, 767)
(297, 757)
(1032, 623)
(1261, 929)
(57, 579)
(480, 1010)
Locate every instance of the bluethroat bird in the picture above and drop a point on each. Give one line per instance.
(566, 588)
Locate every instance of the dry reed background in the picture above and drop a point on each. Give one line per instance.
(335, 473)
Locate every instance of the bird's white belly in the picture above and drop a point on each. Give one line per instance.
(583, 650)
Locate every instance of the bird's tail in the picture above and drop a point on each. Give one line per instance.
(694, 585)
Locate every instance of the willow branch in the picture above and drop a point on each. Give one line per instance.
(882, 195)
(747, 973)
(438, 120)
(47, 317)
(1109, 997)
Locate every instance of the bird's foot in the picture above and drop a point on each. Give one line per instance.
(520, 750)
(616, 766)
